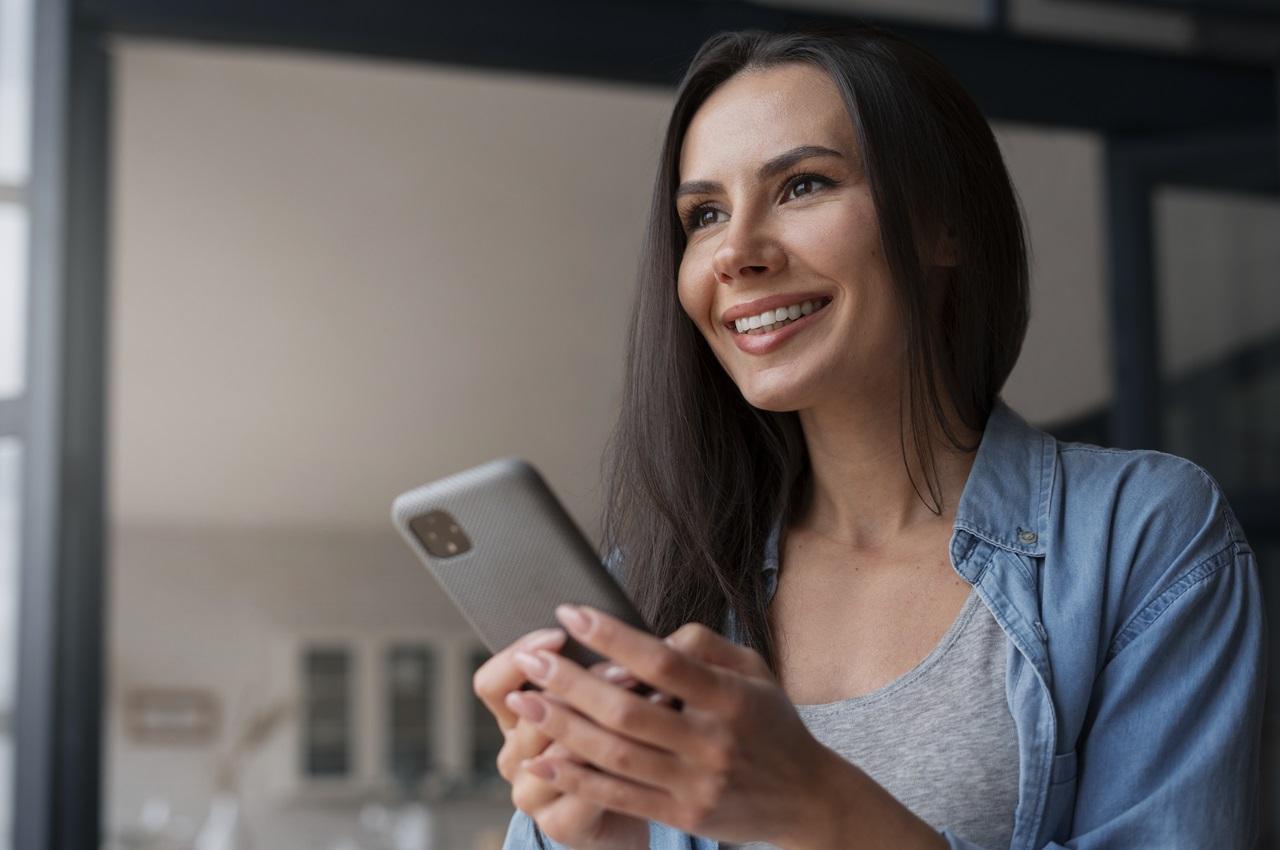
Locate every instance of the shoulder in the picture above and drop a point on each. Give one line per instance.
(1144, 493)
(1150, 519)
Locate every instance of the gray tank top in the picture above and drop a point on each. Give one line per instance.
(939, 738)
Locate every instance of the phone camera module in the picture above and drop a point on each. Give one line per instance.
(440, 534)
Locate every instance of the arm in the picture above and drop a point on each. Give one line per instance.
(1170, 753)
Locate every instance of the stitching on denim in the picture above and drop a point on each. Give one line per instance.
(996, 539)
(1143, 620)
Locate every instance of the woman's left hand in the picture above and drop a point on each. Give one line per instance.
(735, 764)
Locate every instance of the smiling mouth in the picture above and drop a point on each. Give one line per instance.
(772, 320)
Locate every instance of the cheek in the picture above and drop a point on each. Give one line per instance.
(695, 298)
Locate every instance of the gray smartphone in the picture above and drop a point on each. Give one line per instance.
(507, 553)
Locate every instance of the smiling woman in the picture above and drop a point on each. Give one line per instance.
(897, 616)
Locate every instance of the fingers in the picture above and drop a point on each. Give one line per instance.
(567, 820)
(652, 660)
(608, 705)
(601, 747)
(499, 675)
(599, 789)
(710, 647)
(524, 740)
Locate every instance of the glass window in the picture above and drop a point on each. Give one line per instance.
(486, 736)
(13, 298)
(327, 744)
(15, 90)
(10, 513)
(410, 676)
(1217, 257)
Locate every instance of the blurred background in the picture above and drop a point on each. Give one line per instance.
(266, 264)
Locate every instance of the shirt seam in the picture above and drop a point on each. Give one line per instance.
(1233, 534)
(1151, 612)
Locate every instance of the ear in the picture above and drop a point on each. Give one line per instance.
(947, 251)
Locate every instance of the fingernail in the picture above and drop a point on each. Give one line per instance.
(527, 706)
(544, 638)
(578, 621)
(540, 768)
(535, 666)
(615, 673)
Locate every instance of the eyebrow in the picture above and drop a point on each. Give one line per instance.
(777, 165)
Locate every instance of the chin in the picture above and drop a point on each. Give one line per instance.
(774, 396)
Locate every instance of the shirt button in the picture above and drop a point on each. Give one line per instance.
(1027, 536)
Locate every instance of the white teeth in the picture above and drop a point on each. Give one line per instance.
(770, 318)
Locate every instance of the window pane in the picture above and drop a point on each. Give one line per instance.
(410, 674)
(486, 736)
(10, 467)
(326, 741)
(15, 90)
(1220, 336)
(13, 297)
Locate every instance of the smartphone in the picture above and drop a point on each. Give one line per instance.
(507, 553)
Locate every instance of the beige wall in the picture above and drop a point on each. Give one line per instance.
(335, 280)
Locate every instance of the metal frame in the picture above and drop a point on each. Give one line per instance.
(1057, 83)
(58, 716)
(1262, 11)
(1124, 93)
(1240, 161)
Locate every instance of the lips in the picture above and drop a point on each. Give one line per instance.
(763, 343)
(771, 302)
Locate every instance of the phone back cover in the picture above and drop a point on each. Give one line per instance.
(527, 555)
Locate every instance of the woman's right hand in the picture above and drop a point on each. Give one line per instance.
(564, 818)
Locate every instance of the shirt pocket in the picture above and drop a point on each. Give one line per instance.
(1061, 803)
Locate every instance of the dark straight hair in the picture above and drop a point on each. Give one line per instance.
(695, 476)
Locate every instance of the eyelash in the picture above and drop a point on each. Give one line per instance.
(691, 217)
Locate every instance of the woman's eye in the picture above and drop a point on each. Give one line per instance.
(805, 184)
(701, 217)
(797, 187)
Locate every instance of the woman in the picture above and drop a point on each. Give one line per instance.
(943, 628)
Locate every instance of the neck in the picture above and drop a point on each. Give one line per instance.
(861, 494)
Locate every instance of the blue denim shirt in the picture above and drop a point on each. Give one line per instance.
(1137, 645)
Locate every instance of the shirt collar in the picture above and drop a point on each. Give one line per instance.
(1005, 500)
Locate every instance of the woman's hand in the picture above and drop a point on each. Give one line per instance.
(564, 818)
(735, 764)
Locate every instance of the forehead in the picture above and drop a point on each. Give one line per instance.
(758, 114)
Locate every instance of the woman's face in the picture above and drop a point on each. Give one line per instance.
(778, 212)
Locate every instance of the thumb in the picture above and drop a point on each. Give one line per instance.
(714, 649)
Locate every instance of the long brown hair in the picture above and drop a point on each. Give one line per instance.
(696, 477)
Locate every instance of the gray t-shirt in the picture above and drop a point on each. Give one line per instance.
(940, 738)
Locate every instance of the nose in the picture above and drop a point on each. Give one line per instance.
(746, 251)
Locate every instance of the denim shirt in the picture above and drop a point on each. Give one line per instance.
(1136, 664)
